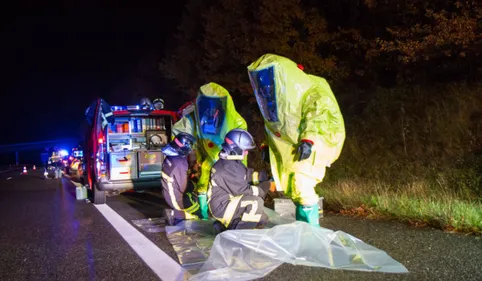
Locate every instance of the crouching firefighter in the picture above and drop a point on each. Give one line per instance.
(236, 193)
(177, 189)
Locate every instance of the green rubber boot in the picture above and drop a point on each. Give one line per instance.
(203, 205)
(308, 214)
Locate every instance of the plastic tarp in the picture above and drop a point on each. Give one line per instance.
(192, 239)
(251, 254)
(153, 225)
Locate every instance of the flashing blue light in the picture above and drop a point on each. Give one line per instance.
(117, 108)
(63, 153)
(129, 107)
(133, 107)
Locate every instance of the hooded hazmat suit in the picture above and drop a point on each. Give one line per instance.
(213, 116)
(301, 116)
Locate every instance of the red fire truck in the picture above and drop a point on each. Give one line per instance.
(123, 148)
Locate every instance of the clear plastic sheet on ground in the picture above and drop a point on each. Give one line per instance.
(192, 239)
(153, 225)
(250, 254)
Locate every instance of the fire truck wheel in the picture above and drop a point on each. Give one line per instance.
(99, 195)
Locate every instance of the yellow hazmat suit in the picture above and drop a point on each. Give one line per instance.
(214, 115)
(301, 116)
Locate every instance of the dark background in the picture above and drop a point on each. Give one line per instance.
(58, 56)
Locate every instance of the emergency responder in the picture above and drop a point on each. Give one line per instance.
(235, 200)
(177, 189)
(305, 130)
(55, 157)
(212, 116)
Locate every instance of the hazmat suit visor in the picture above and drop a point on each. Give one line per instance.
(264, 88)
(211, 112)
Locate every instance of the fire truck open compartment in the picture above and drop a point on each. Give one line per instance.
(133, 150)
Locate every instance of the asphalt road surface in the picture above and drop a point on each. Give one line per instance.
(45, 234)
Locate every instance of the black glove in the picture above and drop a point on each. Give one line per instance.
(265, 154)
(262, 176)
(304, 150)
(263, 188)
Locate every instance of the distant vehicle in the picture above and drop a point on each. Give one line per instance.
(53, 167)
(51, 170)
(123, 147)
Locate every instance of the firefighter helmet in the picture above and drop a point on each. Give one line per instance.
(180, 146)
(158, 103)
(237, 141)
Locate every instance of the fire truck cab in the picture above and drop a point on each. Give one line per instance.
(126, 153)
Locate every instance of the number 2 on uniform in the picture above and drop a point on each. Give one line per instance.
(251, 216)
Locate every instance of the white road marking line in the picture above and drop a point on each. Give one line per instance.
(163, 266)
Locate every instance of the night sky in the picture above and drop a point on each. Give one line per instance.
(57, 57)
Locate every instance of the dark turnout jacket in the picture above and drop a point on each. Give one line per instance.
(175, 181)
(231, 179)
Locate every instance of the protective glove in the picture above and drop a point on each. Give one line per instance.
(262, 176)
(263, 189)
(265, 153)
(304, 150)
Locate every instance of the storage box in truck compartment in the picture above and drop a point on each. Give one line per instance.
(123, 165)
(150, 163)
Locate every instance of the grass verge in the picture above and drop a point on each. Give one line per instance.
(416, 203)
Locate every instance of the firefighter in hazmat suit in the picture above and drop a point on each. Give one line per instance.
(304, 128)
(212, 117)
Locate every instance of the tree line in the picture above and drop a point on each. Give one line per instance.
(361, 43)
